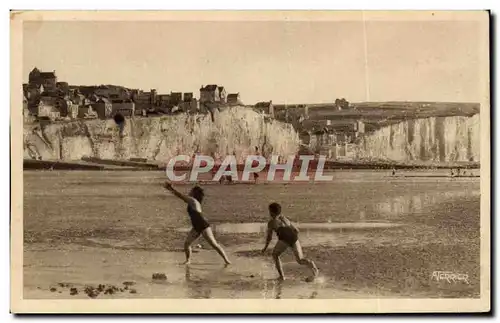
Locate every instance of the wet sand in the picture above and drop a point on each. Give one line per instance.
(371, 237)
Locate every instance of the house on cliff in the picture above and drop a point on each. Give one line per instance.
(113, 92)
(209, 93)
(234, 99)
(222, 94)
(124, 107)
(188, 97)
(143, 101)
(103, 107)
(175, 98)
(331, 137)
(86, 112)
(189, 106)
(78, 98)
(212, 93)
(63, 88)
(55, 99)
(265, 107)
(163, 103)
(47, 79)
(48, 110)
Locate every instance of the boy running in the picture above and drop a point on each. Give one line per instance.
(287, 237)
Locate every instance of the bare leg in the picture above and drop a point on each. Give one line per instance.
(278, 250)
(191, 237)
(299, 256)
(209, 236)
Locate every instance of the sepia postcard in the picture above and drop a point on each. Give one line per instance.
(250, 162)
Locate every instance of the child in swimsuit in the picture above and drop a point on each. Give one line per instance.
(287, 238)
(199, 223)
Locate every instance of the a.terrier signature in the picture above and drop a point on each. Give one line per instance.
(450, 277)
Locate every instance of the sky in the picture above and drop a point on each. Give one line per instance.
(287, 62)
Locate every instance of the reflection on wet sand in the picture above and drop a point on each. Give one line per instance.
(278, 289)
(395, 207)
(196, 288)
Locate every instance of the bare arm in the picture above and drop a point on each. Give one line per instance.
(183, 197)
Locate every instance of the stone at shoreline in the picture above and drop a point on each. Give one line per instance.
(128, 283)
(159, 276)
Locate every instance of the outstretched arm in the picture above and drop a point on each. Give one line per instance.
(183, 197)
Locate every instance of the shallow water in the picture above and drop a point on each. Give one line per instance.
(104, 227)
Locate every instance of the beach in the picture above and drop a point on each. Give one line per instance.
(371, 234)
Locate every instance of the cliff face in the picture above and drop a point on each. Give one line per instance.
(436, 139)
(236, 130)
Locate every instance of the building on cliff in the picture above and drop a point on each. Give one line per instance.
(113, 92)
(144, 101)
(78, 99)
(188, 97)
(331, 137)
(62, 88)
(124, 107)
(212, 93)
(103, 107)
(73, 111)
(291, 113)
(47, 110)
(55, 99)
(86, 112)
(191, 106)
(222, 94)
(175, 98)
(265, 107)
(47, 79)
(234, 99)
(163, 103)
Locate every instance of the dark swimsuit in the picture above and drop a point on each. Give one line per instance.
(197, 220)
(287, 234)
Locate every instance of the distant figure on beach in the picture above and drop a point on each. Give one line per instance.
(288, 237)
(255, 177)
(226, 178)
(393, 172)
(200, 225)
(452, 174)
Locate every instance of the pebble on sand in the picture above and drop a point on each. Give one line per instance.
(91, 291)
(128, 283)
(159, 276)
